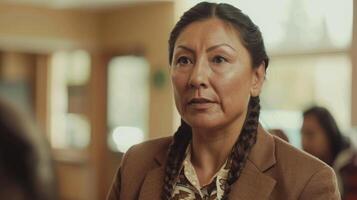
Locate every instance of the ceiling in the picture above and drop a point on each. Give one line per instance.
(94, 4)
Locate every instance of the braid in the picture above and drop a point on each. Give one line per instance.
(239, 155)
(244, 144)
(176, 155)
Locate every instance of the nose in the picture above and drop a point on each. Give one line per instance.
(199, 75)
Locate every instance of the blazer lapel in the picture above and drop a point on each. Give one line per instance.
(153, 183)
(253, 182)
(154, 180)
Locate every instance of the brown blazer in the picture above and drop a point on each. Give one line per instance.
(274, 170)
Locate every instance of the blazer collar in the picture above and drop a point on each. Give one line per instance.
(153, 183)
(252, 183)
(262, 154)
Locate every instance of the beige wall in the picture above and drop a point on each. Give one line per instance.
(42, 29)
(16, 66)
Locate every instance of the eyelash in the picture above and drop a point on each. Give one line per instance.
(219, 57)
(214, 60)
(179, 60)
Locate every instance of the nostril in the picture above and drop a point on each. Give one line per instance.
(200, 85)
(198, 78)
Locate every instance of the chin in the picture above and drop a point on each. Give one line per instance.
(202, 123)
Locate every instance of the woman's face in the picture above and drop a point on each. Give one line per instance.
(314, 139)
(212, 75)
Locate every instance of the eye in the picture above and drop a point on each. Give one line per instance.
(183, 60)
(219, 59)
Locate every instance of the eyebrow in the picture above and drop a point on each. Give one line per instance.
(219, 45)
(209, 49)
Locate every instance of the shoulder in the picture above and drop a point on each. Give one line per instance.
(289, 155)
(136, 163)
(142, 157)
(304, 173)
(153, 144)
(149, 150)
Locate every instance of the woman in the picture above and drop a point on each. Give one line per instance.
(217, 66)
(322, 138)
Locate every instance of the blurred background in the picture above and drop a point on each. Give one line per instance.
(94, 74)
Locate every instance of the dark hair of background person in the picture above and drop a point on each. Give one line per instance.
(279, 133)
(26, 169)
(251, 38)
(336, 141)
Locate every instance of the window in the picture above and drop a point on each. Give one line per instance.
(69, 122)
(291, 26)
(128, 101)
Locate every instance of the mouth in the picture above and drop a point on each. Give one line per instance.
(199, 101)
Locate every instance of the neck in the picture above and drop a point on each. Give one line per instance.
(211, 148)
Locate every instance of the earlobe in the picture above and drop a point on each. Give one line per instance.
(258, 80)
(254, 92)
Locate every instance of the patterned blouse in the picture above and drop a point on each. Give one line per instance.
(187, 185)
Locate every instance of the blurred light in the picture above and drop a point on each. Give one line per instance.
(295, 26)
(284, 119)
(77, 130)
(78, 72)
(68, 130)
(125, 136)
(127, 74)
(290, 121)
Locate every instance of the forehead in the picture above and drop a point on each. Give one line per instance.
(311, 120)
(209, 32)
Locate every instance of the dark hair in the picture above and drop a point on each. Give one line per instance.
(239, 154)
(25, 163)
(336, 141)
(279, 133)
(249, 33)
(252, 40)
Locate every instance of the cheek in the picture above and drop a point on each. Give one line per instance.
(234, 90)
(179, 80)
(178, 83)
(315, 144)
(306, 144)
(322, 143)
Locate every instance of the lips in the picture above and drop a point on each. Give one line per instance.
(200, 104)
(200, 101)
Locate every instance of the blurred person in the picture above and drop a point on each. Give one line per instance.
(279, 133)
(26, 171)
(322, 138)
(220, 151)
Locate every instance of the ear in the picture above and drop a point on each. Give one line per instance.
(257, 80)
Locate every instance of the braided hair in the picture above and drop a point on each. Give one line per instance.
(176, 155)
(239, 153)
(252, 40)
(243, 145)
